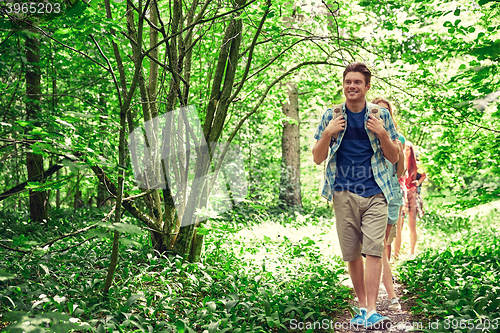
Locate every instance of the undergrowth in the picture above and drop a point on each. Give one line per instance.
(58, 288)
(455, 282)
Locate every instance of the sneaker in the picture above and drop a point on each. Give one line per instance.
(359, 319)
(394, 304)
(377, 322)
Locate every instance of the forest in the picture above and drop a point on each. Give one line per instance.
(157, 173)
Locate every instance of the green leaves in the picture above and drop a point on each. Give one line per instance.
(211, 307)
(236, 294)
(63, 32)
(489, 50)
(77, 9)
(212, 328)
(27, 322)
(131, 301)
(181, 327)
(484, 2)
(122, 227)
(95, 3)
(4, 275)
(463, 278)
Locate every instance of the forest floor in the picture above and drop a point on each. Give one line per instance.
(401, 320)
(325, 237)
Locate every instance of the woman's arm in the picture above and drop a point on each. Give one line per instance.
(400, 166)
(422, 178)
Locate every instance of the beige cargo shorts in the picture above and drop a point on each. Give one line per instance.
(361, 224)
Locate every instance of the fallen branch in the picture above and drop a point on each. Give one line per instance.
(13, 249)
(21, 187)
(70, 247)
(44, 175)
(49, 243)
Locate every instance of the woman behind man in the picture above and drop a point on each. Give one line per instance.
(411, 183)
(395, 171)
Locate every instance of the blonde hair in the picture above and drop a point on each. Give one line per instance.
(383, 100)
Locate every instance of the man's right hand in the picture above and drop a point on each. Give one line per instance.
(335, 126)
(321, 147)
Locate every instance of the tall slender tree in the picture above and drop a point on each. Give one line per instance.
(34, 162)
(290, 151)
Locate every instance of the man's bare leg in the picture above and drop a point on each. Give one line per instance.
(373, 273)
(356, 271)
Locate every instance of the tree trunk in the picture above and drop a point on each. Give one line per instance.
(58, 193)
(290, 152)
(101, 195)
(216, 113)
(195, 254)
(34, 162)
(122, 155)
(54, 103)
(77, 198)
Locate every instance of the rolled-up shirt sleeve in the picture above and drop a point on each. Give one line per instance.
(389, 126)
(327, 116)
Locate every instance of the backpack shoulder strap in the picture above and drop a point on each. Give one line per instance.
(337, 110)
(375, 109)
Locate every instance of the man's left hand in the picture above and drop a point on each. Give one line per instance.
(375, 125)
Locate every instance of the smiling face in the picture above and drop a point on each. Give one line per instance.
(407, 151)
(355, 87)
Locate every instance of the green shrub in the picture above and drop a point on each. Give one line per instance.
(458, 285)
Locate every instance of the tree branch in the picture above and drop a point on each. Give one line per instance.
(13, 249)
(73, 246)
(128, 205)
(74, 233)
(275, 58)
(110, 70)
(20, 188)
(64, 45)
(194, 24)
(252, 48)
(49, 243)
(262, 98)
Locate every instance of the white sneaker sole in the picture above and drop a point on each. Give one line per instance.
(384, 324)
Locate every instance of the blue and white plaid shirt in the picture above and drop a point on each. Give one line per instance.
(378, 162)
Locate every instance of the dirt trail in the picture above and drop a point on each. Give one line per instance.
(402, 320)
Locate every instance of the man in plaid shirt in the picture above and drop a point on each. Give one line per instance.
(355, 137)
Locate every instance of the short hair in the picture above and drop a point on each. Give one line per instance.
(360, 68)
